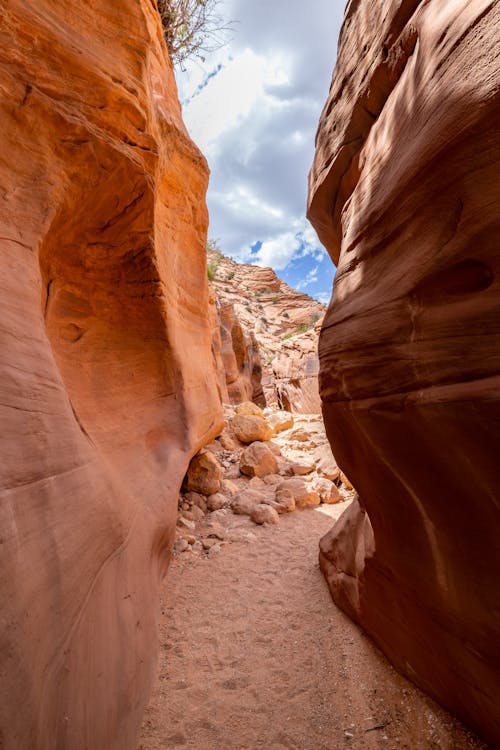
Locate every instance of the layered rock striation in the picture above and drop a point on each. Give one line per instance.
(107, 379)
(404, 192)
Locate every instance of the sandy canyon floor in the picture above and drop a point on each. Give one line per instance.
(254, 654)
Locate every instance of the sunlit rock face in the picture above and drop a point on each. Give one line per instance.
(107, 384)
(404, 192)
(240, 358)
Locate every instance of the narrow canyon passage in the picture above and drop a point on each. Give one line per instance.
(253, 653)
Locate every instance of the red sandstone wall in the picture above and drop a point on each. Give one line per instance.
(404, 192)
(106, 385)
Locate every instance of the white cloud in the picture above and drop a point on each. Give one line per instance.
(311, 278)
(254, 111)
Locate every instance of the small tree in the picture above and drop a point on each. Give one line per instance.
(192, 28)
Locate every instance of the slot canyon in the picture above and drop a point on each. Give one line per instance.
(184, 433)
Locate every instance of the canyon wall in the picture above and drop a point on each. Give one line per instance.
(404, 192)
(107, 384)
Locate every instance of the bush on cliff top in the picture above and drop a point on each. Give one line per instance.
(192, 28)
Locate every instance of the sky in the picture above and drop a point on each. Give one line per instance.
(253, 108)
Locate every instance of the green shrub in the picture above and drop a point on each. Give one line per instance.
(287, 336)
(212, 269)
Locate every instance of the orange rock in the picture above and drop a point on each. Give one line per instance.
(249, 408)
(249, 428)
(404, 192)
(204, 474)
(107, 384)
(304, 494)
(257, 461)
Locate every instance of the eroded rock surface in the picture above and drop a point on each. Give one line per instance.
(404, 192)
(269, 335)
(107, 387)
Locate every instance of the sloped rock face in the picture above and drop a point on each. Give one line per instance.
(269, 333)
(404, 191)
(107, 387)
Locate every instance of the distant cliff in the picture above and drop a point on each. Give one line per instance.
(283, 323)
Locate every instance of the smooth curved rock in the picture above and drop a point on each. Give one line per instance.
(107, 385)
(404, 192)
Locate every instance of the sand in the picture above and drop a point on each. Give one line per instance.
(254, 654)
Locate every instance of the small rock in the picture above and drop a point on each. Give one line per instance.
(248, 428)
(249, 408)
(214, 550)
(208, 543)
(194, 498)
(216, 502)
(245, 502)
(181, 545)
(186, 523)
(256, 483)
(272, 479)
(196, 513)
(190, 539)
(228, 488)
(301, 435)
(264, 514)
(197, 546)
(327, 491)
(285, 501)
(301, 469)
(227, 441)
(347, 484)
(304, 494)
(214, 530)
(257, 460)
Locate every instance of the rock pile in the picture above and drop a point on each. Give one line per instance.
(265, 463)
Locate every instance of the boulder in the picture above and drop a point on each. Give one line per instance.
(262, 514)
(248, 408)
(249, 428)
(304, 494)
(204, 474)
(257, 461)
